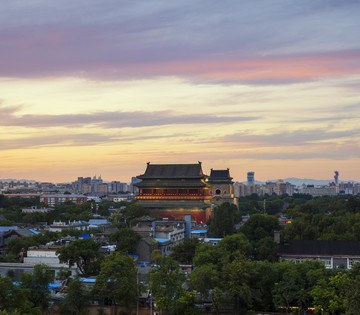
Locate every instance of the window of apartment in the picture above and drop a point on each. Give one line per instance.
(352, 262)
(327, 262)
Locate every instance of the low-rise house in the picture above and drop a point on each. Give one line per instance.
(53, 200)
(333, 254)
(200, 234)
(146, 246)
(99, 223)
(9, 232)
(165, 229)
(35, 209)
(103, 237)
(60, 226)
(47, 255)
(212, 240)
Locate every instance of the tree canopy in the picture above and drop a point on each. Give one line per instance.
(118, 280)
(223, 223)
(84, 253)
(126, 240)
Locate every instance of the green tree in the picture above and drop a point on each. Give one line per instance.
(63, 273)
(134, 211)
(185, 304)
(259, 230)
(223, 223)
(184, 252)
(37, 284)
(6, 223)
(329, 294)
(353, 204)
(259, 226)
(286, 292)
(76, 298)
(3, 201)
(208, 254)
(12, 297)
(266, 276)
(117, 280)
(207, 280)
(274, 207)
(204, 279)
(296, 283)
(235, 245)
(126, 240)
(166, 284)
(239, 276)
(266, 249)
(83, 252)
(351, 288)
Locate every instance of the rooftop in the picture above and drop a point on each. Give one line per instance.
(172, 171)
(319, 248)
(220, 174)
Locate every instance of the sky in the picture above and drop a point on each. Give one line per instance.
(103, 87)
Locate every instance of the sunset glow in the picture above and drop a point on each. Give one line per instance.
(271, 87)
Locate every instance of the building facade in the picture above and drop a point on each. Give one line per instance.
(175, 190)
(221, 187)
(53, 200)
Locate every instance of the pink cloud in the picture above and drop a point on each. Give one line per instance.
(297, 68)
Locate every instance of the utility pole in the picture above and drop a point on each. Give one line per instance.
(137, 285)
(264, 206)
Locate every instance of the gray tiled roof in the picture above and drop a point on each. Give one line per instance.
(319, 248)
(220, 174)
(172, 171)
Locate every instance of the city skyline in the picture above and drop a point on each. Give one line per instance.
(270, 87)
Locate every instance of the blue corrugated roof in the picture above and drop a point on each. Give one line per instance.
(86, 280)
(198, 231)
(162, 240)
(98, 221)
(51, 285)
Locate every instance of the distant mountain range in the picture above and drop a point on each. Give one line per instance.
(17, 180)
(306, 181)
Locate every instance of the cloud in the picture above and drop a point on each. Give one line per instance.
(343, 151)
(243, 40)
(56, 140)
(113, 119)
(289, 138)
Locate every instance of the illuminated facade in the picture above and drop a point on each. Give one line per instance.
(174, 190)
(221, 187)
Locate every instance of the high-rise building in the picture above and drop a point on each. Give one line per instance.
(250, 178)
(133, 188)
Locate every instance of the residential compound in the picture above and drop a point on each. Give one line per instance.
(183, 185)
(280, 188)
(88, 185)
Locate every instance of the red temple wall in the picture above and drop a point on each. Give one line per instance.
(200, 216)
